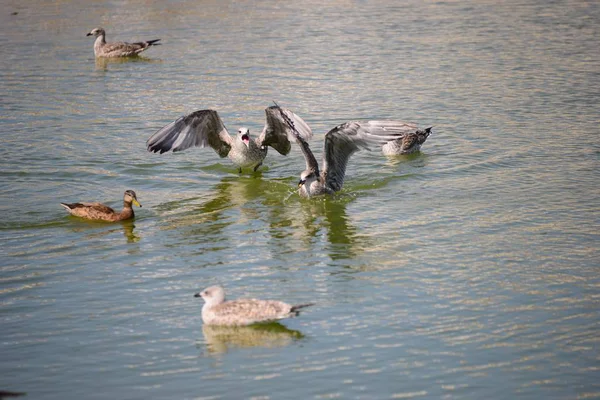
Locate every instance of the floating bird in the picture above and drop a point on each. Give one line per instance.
(205, 127)
(217, 311)
(410, 142)
(102, 212)
(117, 49)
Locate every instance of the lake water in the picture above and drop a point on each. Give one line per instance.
(470, 270)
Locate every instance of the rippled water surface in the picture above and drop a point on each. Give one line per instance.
(469, 270)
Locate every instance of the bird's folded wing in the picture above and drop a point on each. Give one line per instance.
(201, 128)
(252, 309)
(279, 129)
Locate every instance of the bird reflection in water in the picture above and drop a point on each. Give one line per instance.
(102, 63)
(130, 235)
(293, 224)
(328, 215)
(127, 227)
(221, 339)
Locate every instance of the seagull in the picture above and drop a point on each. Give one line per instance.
(205, 127)
(410, 142)
(117, 49)
(241, 312)
(340, 143)
(102, 212)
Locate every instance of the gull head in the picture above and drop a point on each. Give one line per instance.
(96, 32)
(244, 135)
(212, 296)
(306, 178)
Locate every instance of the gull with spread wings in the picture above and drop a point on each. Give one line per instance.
(340, 143)
(205, 128)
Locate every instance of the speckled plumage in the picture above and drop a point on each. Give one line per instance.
(217, 311)
(117, 49)
(102, 212)
(409, 143)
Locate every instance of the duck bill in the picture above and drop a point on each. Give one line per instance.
(197, 295)
(137, 203)
(89, 34)
(302, 182)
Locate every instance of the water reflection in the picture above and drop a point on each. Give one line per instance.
(330, 215)
(220, 339)
(102, 63)
(292, 223)
(127, 227)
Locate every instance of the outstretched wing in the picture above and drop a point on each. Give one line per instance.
(279, 129)
(340, 143)
(381, 132)
(200, 128)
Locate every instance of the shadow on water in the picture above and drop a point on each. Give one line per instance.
(221, 339)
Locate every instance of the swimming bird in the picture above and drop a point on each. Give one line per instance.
(340, 143)
(410, 141)
(102, 212)
(205, 127)
(217, 311)
(117, 49)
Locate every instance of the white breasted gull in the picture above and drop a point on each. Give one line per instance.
(205, 128)
(241, 312)
(117, 49)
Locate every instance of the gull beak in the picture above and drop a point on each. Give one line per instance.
(197, 295)
(137, 203)
(302, 182)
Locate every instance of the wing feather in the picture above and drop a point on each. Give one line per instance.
(381, 132)
(279, 129)
(201, 128)
(340, 143)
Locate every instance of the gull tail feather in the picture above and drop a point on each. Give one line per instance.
(296, 309)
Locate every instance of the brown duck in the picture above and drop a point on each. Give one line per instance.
(102, 212)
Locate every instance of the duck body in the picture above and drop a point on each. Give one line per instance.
(102, 212)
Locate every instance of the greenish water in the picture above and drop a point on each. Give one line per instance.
(469, 270)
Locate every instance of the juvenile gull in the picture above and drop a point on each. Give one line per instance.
(410, 141)
(117, 49)
(205, 127)
(340, 143)
(241, 312)
(102, 212)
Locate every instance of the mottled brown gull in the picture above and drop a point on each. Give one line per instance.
(117, 49)
(205, 128)
(410, 140)
(217, 311)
